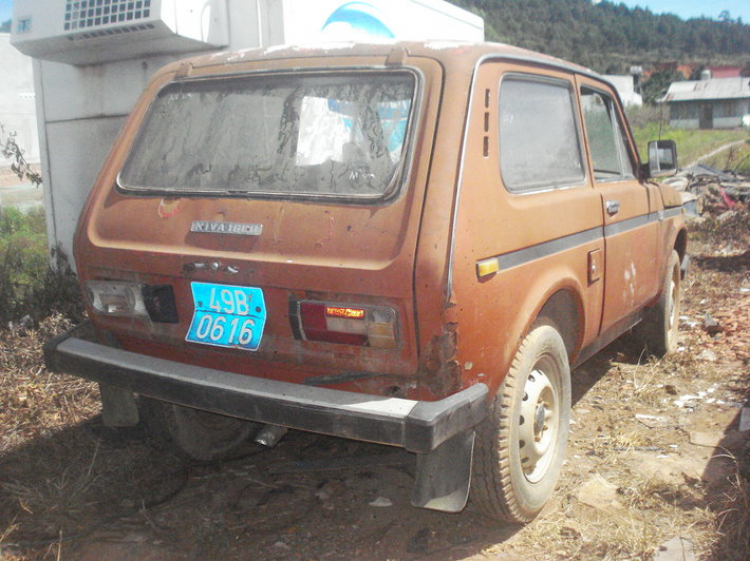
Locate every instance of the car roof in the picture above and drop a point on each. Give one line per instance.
(450, 53)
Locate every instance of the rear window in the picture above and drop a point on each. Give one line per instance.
(278, 135)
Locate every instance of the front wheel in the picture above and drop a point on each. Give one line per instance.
(521, 443)
(658, 330)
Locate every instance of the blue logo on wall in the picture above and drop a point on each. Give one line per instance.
(356, 20)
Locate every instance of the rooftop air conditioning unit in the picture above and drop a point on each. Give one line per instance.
(94, 31)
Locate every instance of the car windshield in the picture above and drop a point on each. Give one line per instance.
(307, 134)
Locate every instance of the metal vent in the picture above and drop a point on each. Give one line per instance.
(81, 14)
(111, 31)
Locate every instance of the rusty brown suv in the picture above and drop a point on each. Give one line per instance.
(405, 243)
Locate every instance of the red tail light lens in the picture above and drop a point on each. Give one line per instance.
(346, 325)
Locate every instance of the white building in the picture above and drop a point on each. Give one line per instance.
(17, 104)
(625, 86)
(92, 59)
(713, 103)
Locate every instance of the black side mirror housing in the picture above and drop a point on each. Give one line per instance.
(662, 158)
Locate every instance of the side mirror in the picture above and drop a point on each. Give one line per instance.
(662, 158)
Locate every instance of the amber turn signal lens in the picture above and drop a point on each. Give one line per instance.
(350, 313)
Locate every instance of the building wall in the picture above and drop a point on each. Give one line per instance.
(17, 105)
(81, 108)
(626, 89)
(725, 114)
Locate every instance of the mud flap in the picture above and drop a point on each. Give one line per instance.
(119, 408)
(444, 475)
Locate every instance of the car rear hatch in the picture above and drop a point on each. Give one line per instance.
(266, 223)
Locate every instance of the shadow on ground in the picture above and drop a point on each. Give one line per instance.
(96, 493)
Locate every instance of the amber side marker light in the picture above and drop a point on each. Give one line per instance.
(346, 325)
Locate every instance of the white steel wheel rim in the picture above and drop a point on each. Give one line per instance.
(538, 425)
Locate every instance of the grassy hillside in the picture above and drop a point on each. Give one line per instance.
(609, 37)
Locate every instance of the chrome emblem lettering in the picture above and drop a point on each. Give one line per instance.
(233, 228)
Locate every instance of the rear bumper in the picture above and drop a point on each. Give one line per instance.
(418, 426)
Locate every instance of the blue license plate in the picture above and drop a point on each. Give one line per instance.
(227, 316)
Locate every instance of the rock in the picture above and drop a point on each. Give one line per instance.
(717, 439)
(381, 502)
(598, 493)
(652, 421)
(728, 215)
(676, 549)
(711, 326)
(708, 355)
(328, 490)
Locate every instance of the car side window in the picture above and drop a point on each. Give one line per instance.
(606, 136)
(539, 140)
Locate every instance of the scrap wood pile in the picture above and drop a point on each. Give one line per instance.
(706, 190)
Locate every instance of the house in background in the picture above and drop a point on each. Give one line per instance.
(711, 103)
(725, 71)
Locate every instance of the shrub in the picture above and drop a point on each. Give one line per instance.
(29, 286)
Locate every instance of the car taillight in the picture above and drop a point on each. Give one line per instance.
(345, 324)
(115, 298)
(128, 299)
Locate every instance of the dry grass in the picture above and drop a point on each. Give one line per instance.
(63, 473)
(54, 477)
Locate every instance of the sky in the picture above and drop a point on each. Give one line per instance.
(684, 8)
(687, 9)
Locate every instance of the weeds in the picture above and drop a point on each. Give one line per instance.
(29, 286)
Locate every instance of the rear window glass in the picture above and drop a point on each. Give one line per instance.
(539, 140)
(309, 135)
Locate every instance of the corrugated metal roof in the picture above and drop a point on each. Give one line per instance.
(717, 88)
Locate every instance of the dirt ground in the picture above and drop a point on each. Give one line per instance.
(656, 465)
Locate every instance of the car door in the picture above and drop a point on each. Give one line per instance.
(630, 228)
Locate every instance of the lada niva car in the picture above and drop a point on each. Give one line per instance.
(406, 243)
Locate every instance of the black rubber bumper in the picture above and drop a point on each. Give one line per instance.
(418, 426)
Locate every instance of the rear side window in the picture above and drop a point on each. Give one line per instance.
(540, 144)
(280, 135)
(606, 135)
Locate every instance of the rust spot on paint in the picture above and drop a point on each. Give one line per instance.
(168, 207)
(439, 370)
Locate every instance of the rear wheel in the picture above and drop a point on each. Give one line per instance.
(658, 330)
(521, 444)
(198, 434)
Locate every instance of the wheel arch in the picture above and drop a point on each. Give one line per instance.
(565, 309)
(680, 243)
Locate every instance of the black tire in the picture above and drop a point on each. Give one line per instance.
(196, 434)
(658, 330)
(521, 443)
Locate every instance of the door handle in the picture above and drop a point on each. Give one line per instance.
(613, 207)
